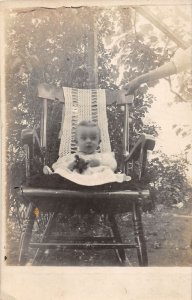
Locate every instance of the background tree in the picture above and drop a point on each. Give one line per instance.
(52, 46)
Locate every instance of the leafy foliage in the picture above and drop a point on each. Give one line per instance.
(54, 46)
(167, 179)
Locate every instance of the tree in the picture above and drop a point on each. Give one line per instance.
(52, 46)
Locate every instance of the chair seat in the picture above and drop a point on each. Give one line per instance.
(100, 201)
(60, 193)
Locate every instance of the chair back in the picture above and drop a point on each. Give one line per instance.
(83, 104)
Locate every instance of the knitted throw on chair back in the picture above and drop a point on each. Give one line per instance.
(83, 104)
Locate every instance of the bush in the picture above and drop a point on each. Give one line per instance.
(167, 178)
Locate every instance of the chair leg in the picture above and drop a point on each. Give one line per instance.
(39, 253)
(116, 234)
(139, 235)
(26, 234)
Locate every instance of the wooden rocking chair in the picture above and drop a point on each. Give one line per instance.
(39, 200)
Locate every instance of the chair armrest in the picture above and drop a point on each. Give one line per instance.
(139, 153)
(34, 154)
(145, 142)
(29, 136)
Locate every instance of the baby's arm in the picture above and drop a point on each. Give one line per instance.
(65, 162)
(94, 163)
(108, 159)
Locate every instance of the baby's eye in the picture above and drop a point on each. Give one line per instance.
(93, 138)
(83, 137)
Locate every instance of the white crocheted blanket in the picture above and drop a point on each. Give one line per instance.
(83, 104)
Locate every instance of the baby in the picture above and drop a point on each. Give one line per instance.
(87, 161)
(86, 167)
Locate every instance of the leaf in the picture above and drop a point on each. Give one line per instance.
(188, 147)
(184, 134)
(178, 131)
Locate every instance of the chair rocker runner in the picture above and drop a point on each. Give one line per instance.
(80, 105)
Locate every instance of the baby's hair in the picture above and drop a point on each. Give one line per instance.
(88, 124)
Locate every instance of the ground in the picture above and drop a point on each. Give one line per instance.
(169, 236)
(167, 231)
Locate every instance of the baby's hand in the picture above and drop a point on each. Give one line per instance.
(94, 163)
(72, 165)
(78, 164)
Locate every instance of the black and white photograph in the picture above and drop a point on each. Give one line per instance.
(96, 134)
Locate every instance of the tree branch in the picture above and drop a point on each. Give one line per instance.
(174, 92)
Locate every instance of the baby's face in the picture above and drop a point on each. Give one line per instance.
(88, 139)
